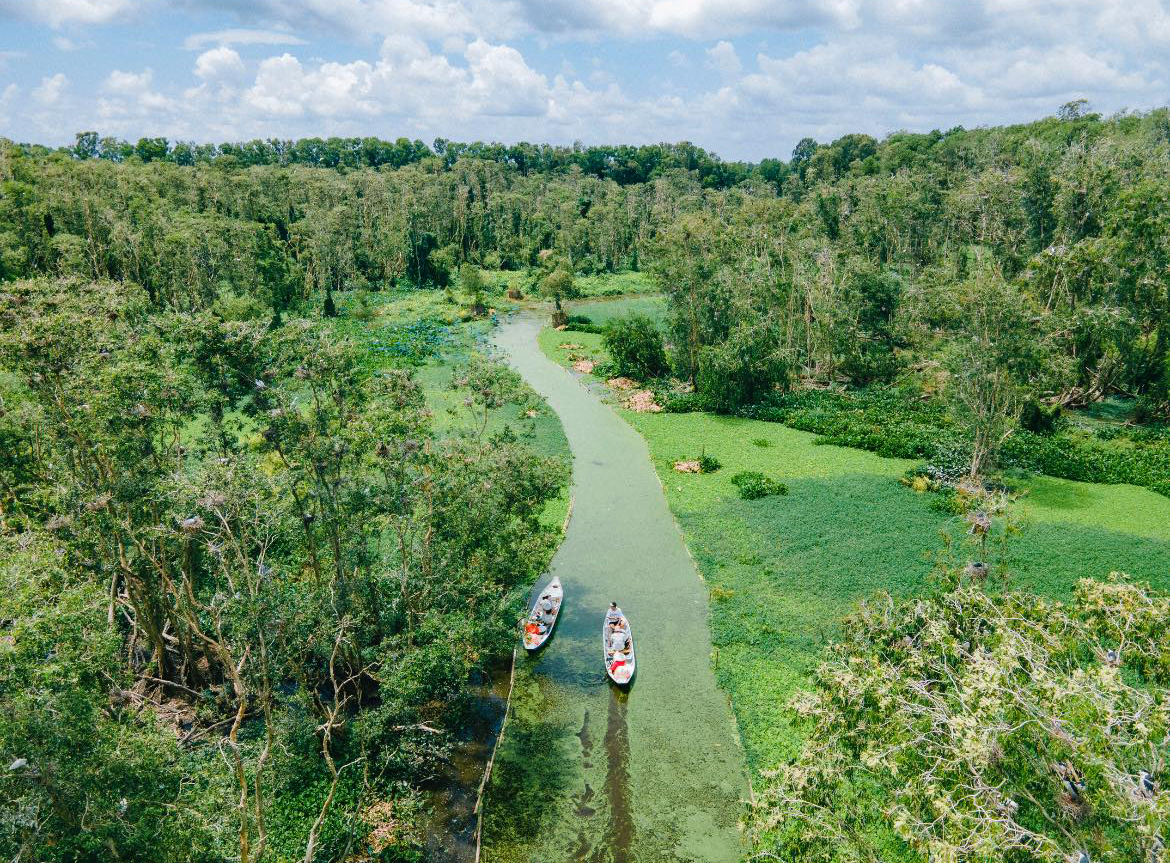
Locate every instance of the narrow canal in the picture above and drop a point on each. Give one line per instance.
(585, 772)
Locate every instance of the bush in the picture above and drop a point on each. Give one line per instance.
(753, 485)
(583, 324)
(683, 403)
(709, 464)
(893, 424)
(635, 347)
(744, 369)
(1038, 417)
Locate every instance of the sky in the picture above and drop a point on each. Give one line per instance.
(745, 79)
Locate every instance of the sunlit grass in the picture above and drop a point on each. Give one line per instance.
(603, 311)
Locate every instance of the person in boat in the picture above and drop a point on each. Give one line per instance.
(614, 614)
(619, 642)
(546, 610)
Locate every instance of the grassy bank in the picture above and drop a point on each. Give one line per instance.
(782, 571)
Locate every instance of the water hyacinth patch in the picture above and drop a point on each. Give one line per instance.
(414, 342)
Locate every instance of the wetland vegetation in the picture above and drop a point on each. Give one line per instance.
(270, 508)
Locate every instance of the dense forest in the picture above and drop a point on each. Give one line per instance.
(240, 562)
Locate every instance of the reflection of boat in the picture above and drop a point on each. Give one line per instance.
(619, 665)
(540, 623)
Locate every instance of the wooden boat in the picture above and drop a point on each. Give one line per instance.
(618, 666)
(534, 638)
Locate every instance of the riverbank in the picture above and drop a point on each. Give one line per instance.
(782, 571)
(586, 772)
(435, 338)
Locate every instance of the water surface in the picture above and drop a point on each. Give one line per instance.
(586, 772)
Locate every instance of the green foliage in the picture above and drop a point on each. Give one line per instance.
(634, 344)
(86, 768)
(742, 370)
(472, 284)
(708, 463)
(1030, 735)
(1035, 416)
(892, 424)
(753, 485)
(273, 565)
(558, 285)
(681, 403)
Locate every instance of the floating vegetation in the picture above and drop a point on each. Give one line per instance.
(415, 342)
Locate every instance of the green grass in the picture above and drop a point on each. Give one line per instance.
(603, 311)
(602, 285)
(551, 340)
(613, 284)
(783, 571)
(788, 568)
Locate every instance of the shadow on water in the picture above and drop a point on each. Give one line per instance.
(533, 770)
(617, 779)
(449, 831)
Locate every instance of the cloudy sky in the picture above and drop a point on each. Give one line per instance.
(745, 78)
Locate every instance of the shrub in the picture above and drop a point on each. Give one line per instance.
(1048, 753)
(709, 464)
(753, 485)
(683, 403)
(635, 347)
(583, 324)
(893, 424)
(742, 370)
(1038, 417)
(761, 442)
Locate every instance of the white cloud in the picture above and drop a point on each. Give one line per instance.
(58, 12)
(128, 82)
(722, 58)
(238, 36)
(49, 91)
(7, 98)
(454, 68)
(130, 102)
(219, 64)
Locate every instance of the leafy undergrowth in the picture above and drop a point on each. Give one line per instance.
(893, 424)
(420, 329)
(601, 312)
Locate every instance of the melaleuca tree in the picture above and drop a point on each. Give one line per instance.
(973, 726)
(88, 771)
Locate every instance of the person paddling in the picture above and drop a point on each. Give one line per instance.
(614, 614)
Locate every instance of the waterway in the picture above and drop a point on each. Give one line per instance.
(586, 772)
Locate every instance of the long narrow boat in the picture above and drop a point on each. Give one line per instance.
(618, 665)
(538, 627)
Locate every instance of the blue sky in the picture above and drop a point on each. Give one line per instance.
(745, 78)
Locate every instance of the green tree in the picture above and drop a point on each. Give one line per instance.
(634, 345)
(1033, 725)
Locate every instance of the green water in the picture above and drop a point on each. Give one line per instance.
(586, 772)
